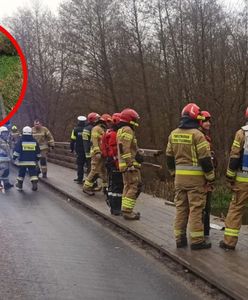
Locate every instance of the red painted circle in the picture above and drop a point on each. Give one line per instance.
(25, 75)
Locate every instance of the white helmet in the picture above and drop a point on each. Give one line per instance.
(81, 118)
(3, 128)
(27, 130)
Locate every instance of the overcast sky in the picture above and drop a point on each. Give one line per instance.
(8, 7)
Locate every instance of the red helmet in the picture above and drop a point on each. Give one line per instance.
(116, 117)
(106, 118)
(93, 117)
(206, 114)
(130, 116)
(246, 113)
(193, 111)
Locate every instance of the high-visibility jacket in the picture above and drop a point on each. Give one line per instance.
(87, 139)
(77, 140)
(96, 138)
(127, 148)
(234, 170)
(27, 151)
(188, 156)
(44, 137)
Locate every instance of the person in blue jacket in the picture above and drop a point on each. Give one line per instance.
(4, 159)
(27, 151)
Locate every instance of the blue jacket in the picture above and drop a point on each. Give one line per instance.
(27, 151)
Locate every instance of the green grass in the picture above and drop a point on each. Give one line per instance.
(10, 80)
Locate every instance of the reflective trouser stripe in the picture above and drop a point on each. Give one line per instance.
(242, 177)
(88, 183)
(33, 178)
(179, 232)
(230, 173)
(20, 178)
(128, 202)
(114, 194)
(189, 172)
(196, 234)
(232, 232)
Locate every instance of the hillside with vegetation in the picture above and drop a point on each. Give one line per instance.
(10, 73)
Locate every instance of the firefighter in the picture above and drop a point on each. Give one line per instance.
(238, 181)
(14, 136)
(205, 128)
(188, 158)
(4, 159)
(77, 145)
(46, 141)
(110, 153)
(97, 162)
(92, 118)
(128, 165)
(27, 151)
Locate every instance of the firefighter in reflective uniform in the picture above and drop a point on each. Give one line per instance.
(4, 159)
(188, 157)
(98, 169)
(130, 168)
(27, 151)
(77, 145)
(110, 153)
(14, 136)
(45, 139)
(237, 177)
(205, 128)
(92, 118)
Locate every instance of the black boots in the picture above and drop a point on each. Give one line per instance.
(19, 185)
(182, 243)
(200, 246)
(224, 246)
(34, 185)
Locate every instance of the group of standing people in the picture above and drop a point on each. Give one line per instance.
(107, 145)
(28, 150)
(192, 163)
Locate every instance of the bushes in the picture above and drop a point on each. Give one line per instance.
(6, 46)
(11, 79)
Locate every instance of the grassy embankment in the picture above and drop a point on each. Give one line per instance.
(10, 80)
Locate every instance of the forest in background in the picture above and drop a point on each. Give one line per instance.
(154, 56)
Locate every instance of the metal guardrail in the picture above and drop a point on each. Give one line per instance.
(62, 156)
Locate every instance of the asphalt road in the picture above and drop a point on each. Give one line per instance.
(52, 250)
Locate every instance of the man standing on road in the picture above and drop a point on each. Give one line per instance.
(189, 160)
(4, 159)
(45, 140)
(237, 177)
(27, 151)
(77, 145)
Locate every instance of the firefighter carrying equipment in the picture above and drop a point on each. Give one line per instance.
(189, 159)
(238, 176)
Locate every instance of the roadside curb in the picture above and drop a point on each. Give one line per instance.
(161, 248)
